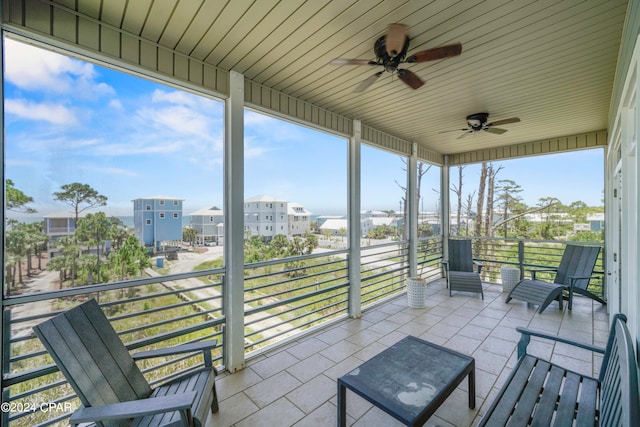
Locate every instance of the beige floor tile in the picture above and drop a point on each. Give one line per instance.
(279, 413)
(296, 384)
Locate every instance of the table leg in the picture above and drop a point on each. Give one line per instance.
(342, 405)
(472, 388)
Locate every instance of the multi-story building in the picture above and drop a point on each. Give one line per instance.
(209, 225)
(268, 216)
(299, 219)
(57, 226)
(157, 221)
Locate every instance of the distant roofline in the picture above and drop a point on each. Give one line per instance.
(158, 198)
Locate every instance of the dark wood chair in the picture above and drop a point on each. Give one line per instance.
(111, 387)
(572, 276)
(539, 392)
(462, 272)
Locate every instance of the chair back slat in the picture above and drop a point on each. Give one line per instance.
(460, 255)
(90, 354)
(577, 261)
(619, 396)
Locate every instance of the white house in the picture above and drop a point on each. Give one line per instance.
(209, 225)
(335, 227)
(299, 219)
(58, 225)
(371, 223)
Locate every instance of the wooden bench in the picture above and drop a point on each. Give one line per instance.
(541, 393)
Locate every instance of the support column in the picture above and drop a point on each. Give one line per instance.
(445, 212)
(412, 209)
(353, 212)
(233, 287)
(5, 331)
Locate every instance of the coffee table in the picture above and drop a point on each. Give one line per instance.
(409, 380)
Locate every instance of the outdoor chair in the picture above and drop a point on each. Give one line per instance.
(110, 386)
(462, 272)
(572, 275)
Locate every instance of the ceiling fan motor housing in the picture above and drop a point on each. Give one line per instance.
(390, 63)
(477, 121)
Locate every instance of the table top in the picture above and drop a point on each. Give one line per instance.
(409, 379)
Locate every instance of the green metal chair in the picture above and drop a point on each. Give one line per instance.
(107, 381)
(572, 276)
(462, 272)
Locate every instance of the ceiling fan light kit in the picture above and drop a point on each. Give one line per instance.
(391, 51)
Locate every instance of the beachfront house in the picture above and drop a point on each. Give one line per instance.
(209, 225)
(157, 221)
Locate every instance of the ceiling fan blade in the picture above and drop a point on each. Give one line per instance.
(504, 121)
(436, 53)
(395, 38)
(497, 131)
(346, 61)
(410, 78)
(455, 130)
(464, 134)
(367, 82)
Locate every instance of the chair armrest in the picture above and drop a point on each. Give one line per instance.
(541, 270)
(526, 335)
(136, 408)
(204, 346)
(479, 265)
(574, 278)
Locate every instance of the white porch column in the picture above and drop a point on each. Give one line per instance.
(353, 212)
(412, 210)
(445, 209)
(233, 289)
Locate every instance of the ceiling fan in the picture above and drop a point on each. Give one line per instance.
(478, 122)
(391, 51)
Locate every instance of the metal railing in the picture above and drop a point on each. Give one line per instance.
(283, 299)
(527, 255)
(147, 313)
(383, 270)
(286, 297)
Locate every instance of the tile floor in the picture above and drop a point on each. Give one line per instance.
(295, 385)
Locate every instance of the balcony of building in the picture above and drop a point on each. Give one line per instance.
(298, 335)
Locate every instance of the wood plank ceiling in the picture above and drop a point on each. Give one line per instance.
(550, 63)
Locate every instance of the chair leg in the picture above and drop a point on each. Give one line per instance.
(214, 404)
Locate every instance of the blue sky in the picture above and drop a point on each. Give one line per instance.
(71, 121)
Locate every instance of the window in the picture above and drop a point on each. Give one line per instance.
(281, 171)
(175, 215)
(109, 108)
(161, 215)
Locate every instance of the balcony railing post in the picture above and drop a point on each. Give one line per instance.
(521, 258)
(5, 352)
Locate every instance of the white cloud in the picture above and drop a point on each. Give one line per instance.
(116, 104)
(111, 171)
(179, 119)
(34, 69)
(174, 97)
(52, 113)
